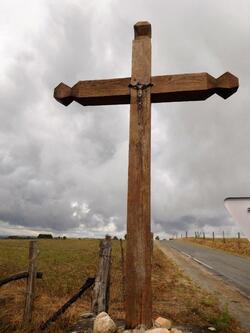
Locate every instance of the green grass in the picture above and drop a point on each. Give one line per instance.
(74, 260)
(222, 321)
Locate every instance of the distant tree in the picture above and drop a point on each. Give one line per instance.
(157, 238)
(20, 237)
(64, 237)
(45, 236)
(115, 238)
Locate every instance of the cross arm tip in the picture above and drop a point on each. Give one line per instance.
(142, 28)
(226, 85)
(62, 93)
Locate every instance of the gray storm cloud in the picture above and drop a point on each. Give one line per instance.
(65, 169)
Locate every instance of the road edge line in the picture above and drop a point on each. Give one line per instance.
(214, 271)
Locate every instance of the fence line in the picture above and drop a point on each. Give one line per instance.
(205, 235)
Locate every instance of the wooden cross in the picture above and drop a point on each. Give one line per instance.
(140, 90)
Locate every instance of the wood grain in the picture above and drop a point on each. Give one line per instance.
(166, 88)
(138, 294)
(102, 281)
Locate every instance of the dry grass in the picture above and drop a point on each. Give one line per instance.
(178, 298)
(67, 263)
(239, 247)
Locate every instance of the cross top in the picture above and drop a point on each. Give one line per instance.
(142, 29)
(166, 88)
(140, 90)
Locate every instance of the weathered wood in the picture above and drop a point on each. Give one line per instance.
(166, 88)
(89, 282)
(140, 90)
(102, 281)
(18, 276)
(122, 268)
(138, 303)
(30, 289)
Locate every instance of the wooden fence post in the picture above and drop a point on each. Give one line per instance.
(213, 236)
(123, 269)
(152, 242)
(102, 281)
(224, 237)
(30, 288)
(239, 239)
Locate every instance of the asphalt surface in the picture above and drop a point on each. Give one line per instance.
(231, 268)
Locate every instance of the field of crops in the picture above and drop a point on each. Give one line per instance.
(67, 263)
(237, 246)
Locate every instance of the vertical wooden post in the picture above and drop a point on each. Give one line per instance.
(213, 236)
(238, 239)
(223, 234)
(186, 234)
(102, 280)
(152, 242)
(138, 302)
(123, 269)
(30, 288)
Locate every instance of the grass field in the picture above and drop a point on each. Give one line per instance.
(233, 245)
(67, 263)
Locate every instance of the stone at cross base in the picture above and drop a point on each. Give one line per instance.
(140, 90)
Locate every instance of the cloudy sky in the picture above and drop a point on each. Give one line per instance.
(64, 170)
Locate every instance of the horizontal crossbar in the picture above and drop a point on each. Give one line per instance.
(166, 88)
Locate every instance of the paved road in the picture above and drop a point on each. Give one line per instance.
(230, 267)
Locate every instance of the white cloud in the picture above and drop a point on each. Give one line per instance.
(65, 169)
